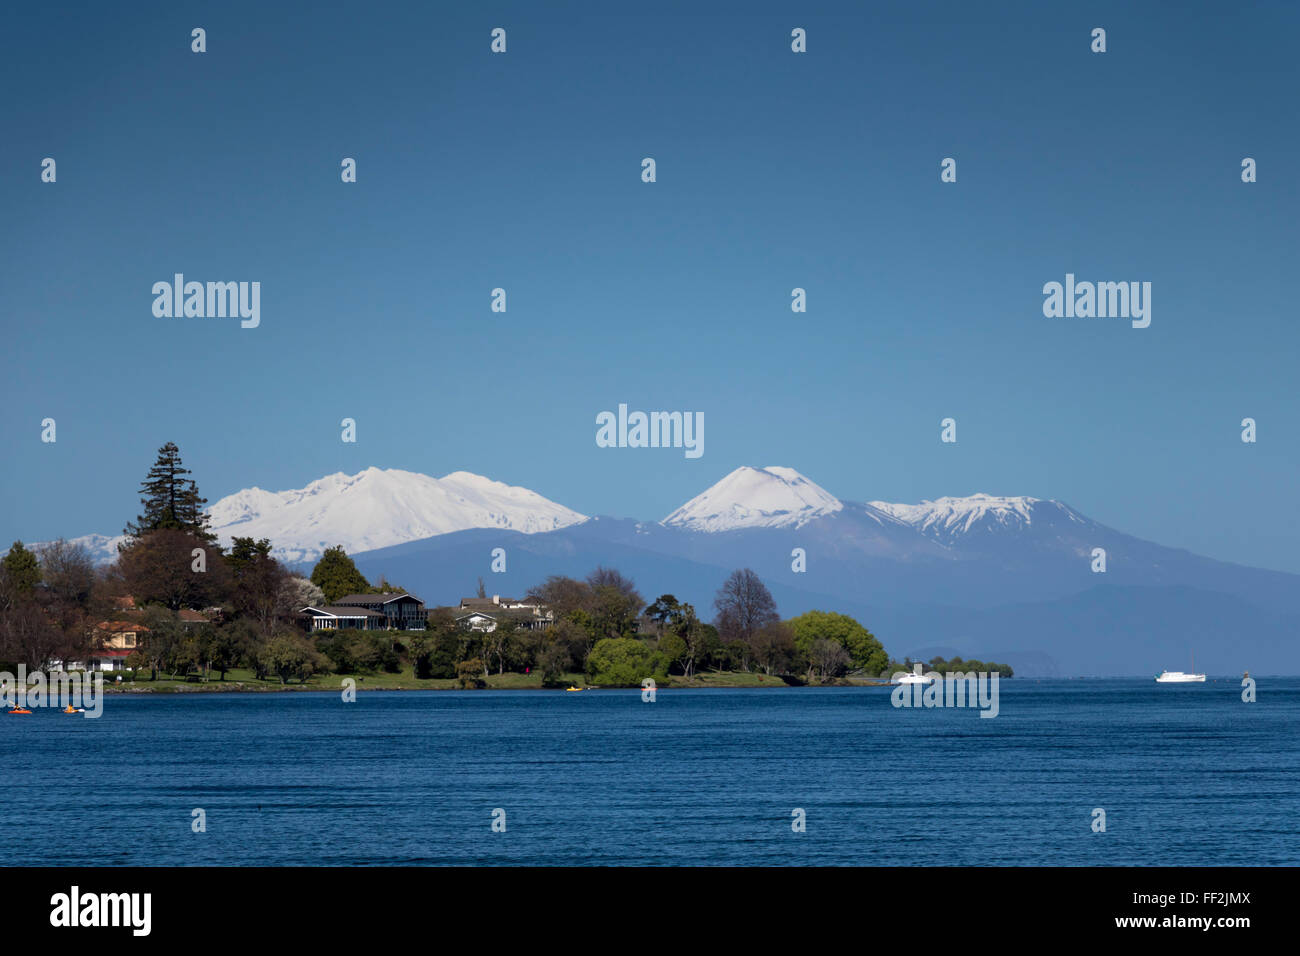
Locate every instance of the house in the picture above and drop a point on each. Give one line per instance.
(190, 618)
(369, 612)
(335, 618)
(477, 621)
(114, 642)
(485, 614)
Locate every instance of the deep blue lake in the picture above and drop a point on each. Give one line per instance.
(1187, 775)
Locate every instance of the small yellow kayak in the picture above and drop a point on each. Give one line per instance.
(572, 688)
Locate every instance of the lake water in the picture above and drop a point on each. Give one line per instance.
(1187, 775)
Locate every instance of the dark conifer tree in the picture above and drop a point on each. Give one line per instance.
(171, 501)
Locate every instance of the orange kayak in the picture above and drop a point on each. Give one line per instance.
(20, 710)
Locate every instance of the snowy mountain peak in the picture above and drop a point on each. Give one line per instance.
(772, 497)
(376, 508)
(948, 518)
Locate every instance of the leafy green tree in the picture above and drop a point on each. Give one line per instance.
(289, 656)
(499, 644)
(553, 659)
(336, 575)
(171, 501)
(221, 648)
(865, 652)
(623, 662)
(773, 647)
(470, 673)
(685, 635)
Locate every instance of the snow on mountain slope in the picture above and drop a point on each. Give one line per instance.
(951, 519)
(772, 497)
(378, 508)
(101, 547)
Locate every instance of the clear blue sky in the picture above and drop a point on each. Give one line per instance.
(775, 170)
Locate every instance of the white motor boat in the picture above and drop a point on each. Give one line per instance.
(1179, 677)
(916, 677)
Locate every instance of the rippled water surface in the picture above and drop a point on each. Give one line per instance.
(1187, 775)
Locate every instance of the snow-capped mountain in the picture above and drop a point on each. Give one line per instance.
(102, 548)
(379, 508)
(1006, 578)
(374, 509)
(772, 497)
(950, 520)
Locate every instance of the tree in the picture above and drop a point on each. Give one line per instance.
(553, 659)
(744, 606)
(28, 637)
(222, 647)
(161, 640)
(297, 593)
(22, 572)
(683, 628)
(623, 662)
(337, 576)
(289, 656)
(161, 566)
(497, 643)
(258, 581)
(865, 652)
(171, 501)
(828, 658)
(68, 572)
(564, 596)
(773, 647)
(605, 605)
(470, 673)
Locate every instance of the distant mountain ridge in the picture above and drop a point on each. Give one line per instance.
(970, 575)
(372, 509)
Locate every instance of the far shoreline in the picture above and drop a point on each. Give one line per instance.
(509, 682)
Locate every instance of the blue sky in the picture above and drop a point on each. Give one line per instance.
(775, 170)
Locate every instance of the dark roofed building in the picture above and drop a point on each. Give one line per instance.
(336, 618)
(398, 609)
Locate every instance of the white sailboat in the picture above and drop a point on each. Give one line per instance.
(1181, 677)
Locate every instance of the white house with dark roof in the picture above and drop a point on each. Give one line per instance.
(336, 618)
(484, 614)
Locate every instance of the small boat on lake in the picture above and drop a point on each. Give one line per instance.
(914, 678)
(1179, 677)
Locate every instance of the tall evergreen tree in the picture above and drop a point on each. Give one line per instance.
(21, 574)
(336, 575)
(171, 501)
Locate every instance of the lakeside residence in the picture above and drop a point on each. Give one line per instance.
(114, 642)
(486, 614)
(368, 612)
